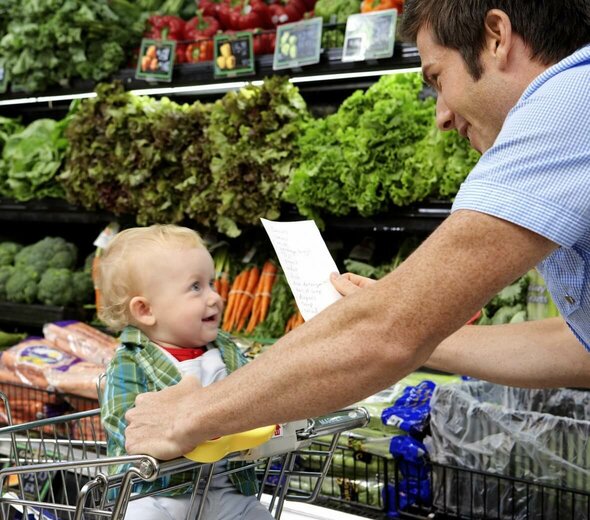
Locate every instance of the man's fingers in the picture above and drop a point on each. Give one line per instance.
(343, 284)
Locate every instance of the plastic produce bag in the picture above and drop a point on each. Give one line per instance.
(81, 340)
(537, 435)
(38, 363)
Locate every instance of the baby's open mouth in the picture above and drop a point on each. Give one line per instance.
(211, 318)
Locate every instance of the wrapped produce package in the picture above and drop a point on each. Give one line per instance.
(38, 363)
(537, 435)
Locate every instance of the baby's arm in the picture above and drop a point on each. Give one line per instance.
(124, 381)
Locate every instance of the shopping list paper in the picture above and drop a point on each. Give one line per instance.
(307, 264)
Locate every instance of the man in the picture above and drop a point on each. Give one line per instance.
(513, 77)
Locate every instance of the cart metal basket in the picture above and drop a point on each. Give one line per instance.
(57, 468)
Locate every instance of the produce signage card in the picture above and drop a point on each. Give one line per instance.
(370, 36)
(307, 264)
(156, 60)
(298, 44)
(233, 55)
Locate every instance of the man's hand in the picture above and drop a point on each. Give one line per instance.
(349, 283)
(155, 425)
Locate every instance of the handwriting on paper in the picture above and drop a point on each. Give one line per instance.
(307, 263)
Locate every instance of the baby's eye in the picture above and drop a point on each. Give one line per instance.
(196, 286)
(212, 284)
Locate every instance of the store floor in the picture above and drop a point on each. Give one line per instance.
(301, 511)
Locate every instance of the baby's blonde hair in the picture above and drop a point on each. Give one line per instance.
(119, 267)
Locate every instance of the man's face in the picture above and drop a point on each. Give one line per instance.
(476, 109)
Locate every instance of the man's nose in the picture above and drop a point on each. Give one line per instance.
(445, 119)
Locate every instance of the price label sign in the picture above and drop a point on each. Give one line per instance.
(233, 55)
(370, 36)
(156, 60)
(3, 80)
(298, 44)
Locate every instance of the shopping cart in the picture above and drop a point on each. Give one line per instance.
(57, 468)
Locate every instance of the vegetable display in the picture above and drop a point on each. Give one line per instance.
(48, 43)
(31, 160)
(374, 153)
(126, 155)
(43, 272)
(252, 135)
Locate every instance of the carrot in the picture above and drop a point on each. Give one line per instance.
(231, 300)
(245, 315)
(247, 296)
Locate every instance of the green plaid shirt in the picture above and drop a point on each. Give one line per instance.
(140, 366)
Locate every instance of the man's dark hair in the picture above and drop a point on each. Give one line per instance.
(551, 29)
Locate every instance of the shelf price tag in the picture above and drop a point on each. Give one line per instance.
(156, 60)
(3, 80)
(233, 55)
(370, 36)
(298, 44)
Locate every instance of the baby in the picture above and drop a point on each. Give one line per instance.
(156, 286)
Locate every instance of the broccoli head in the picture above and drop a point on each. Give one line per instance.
(83, 287)
(56, 287)
(49, 252)
(8, 250)
(21, 287)
(6, 272)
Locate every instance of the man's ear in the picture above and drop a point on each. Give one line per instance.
(141, 311)
(499, 36)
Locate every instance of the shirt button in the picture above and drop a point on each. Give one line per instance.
(569, 299)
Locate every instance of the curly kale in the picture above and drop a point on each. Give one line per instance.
(22, 285)
(253, 140)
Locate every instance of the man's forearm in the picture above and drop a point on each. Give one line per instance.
(541, 353)
(371, 339)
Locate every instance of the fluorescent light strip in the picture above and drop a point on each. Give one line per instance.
(19, 101)
(211, 88)
(66, 97)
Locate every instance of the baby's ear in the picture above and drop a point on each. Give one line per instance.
(141, 311)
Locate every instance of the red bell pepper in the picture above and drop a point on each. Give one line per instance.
(264, 42)
(286, 11)
(166, 28)
(200, 27)
(210, 7)
(253, 14)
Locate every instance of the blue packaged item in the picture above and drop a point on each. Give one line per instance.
(411, 411)
(410, 456)
(400, 497)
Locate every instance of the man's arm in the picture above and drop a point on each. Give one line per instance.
(536, 354)
(356, 347)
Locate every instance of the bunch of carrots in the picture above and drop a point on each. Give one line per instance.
(248, 299)
(294, 321)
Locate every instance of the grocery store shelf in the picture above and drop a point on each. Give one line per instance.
(197, 78)
(35, 316)
(49, 210)
(423, 218)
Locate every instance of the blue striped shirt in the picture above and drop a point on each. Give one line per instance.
(537, 175)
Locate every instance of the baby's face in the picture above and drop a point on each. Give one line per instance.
(179, 287)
